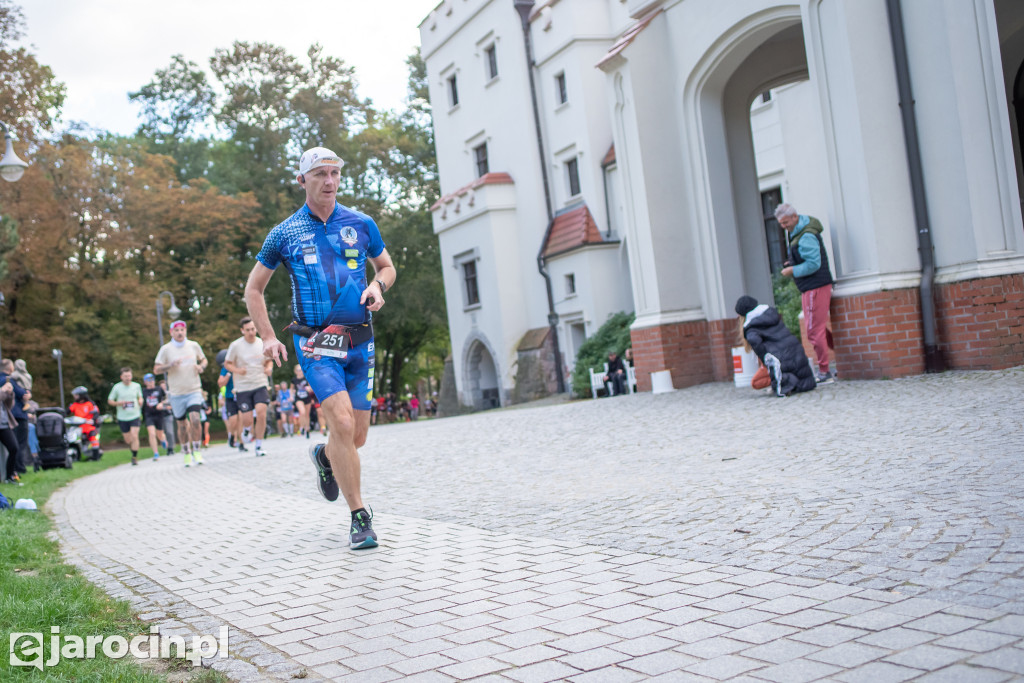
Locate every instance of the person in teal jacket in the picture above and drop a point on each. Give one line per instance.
(809, 267)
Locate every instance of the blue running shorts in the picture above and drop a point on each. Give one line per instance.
(328, 376)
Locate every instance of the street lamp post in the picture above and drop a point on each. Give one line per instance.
(58, 354)
(11, 167)
(173, 311)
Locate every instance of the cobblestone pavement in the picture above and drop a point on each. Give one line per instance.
(863, 531)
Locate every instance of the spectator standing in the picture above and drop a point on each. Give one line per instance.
(808, 266)
(21, 394)
(31, 408)
(7, 425)
(21, 374)
(414, 407)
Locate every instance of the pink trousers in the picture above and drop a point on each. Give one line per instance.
(816, 303)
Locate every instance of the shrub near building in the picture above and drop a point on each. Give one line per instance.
(593, 353)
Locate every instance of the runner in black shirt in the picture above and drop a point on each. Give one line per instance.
(153, 411)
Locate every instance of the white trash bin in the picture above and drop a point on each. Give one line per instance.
(744, 365)
(661, 382)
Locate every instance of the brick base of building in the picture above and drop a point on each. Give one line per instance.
(980, 326)
(694, 352)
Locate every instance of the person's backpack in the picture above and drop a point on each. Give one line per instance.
(4, 503)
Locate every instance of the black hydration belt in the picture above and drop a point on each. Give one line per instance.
(357, 334)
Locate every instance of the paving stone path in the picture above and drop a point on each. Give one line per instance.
(866, 531)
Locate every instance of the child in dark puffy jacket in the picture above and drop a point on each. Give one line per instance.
(775, 346)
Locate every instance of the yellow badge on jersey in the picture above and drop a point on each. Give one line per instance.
(352, 264)
(369, 395)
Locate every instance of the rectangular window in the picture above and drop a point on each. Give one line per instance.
(453, 91)
(491, 59)
(469, 276)
(774, 234)
(570, 284)
(572, 167)
(560, 92)
(480, 158)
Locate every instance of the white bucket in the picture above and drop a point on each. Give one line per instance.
(744, 365)
(661, 382)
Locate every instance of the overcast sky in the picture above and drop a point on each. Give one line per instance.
(104, 49)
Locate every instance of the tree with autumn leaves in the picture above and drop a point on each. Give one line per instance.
(98, 227)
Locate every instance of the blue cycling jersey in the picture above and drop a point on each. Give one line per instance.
(326, 262)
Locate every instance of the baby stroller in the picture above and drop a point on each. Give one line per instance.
(55, 448)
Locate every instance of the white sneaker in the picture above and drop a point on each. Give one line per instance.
(246, 435)
(260, 452)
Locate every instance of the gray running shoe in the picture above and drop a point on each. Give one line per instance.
(324, 476)
(361, 535)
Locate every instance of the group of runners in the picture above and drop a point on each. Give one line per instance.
(325, 247)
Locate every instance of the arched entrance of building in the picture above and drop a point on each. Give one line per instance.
(482, 390)
(764, 51)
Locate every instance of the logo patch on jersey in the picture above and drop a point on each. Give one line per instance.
(307, 237)
(352, 264)
(370, 374)
(351, 253)
(369, 395)
(348, 235)
(369, 347)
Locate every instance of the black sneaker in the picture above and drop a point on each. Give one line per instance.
(361, 534)
(241, 447)
(325, 477)
(231, 440)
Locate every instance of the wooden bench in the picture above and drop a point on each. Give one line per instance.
(597, 380)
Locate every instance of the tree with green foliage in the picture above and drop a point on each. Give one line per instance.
(787, 301)
(593, 353)
(184, 205)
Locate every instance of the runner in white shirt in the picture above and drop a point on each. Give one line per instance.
(183, 360)
(250, 369)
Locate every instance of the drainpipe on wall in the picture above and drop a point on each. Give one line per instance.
(933, 361)
(524, 7)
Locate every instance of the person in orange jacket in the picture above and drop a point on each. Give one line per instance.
(84, 408)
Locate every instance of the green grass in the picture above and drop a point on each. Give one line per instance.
(38, 590)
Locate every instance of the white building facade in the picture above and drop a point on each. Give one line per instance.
(660, 96)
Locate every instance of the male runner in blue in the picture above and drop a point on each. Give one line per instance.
(325, 246)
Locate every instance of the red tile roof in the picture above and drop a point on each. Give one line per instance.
(486, 179)
(629, 36)
(572, 229)
(609, 158)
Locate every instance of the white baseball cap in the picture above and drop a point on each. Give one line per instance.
(317, 157)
